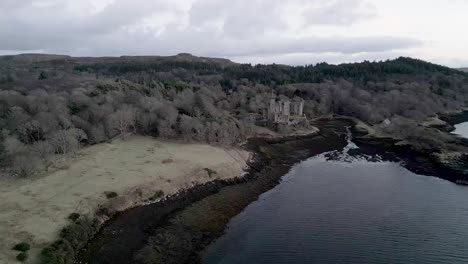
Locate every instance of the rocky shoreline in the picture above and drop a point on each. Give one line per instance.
(413, 160)
(445, 163)
(454, 118)
(177, 229)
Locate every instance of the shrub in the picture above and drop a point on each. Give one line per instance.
(25, 165)
(102, 211)
(210, 172)
(156, 195)
(110, 195)
(74, 216)
(42, 75)
(23, 256)
(72, 238)
(22, 247)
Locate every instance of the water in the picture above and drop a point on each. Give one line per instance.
(461, 129)
(349, 210)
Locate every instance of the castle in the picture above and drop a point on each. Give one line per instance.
(285, 111)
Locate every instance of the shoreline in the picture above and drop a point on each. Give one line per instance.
(455, 118)
(179, 233)
(182, 235)
(182, 224)
(62, 209)
(431, 163)
(415, 161)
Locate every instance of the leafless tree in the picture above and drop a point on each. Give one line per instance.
(124, 120)
(67, 140)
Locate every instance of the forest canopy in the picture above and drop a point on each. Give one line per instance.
(52, 105)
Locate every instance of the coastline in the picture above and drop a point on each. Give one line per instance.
(455, 117)
(446, 162)
(96, 183)
(413, 160)
(176, 228)
(181, 235)
(177, 232)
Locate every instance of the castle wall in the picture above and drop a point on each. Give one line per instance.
(281, 111)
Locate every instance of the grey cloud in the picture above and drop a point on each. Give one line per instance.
(207, 44)
(345, 45)
(344, 12)
(239, 18)
(49, 27)
(313, 58)
(238, 28)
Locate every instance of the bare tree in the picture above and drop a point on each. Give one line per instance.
(43, 149)
(191, 128)
(25, 165)
(97, 134)
(20, 159)
(67, 140)
(124, 120)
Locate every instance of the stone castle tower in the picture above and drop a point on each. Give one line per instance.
(282, 110)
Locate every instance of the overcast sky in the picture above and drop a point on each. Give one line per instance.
(257, 31)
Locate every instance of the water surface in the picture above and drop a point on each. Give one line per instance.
(352, 211)
(461, 129)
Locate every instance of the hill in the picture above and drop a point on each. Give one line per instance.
(53, 104)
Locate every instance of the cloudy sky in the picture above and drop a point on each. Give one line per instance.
(257, 31)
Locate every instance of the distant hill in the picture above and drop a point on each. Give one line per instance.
(61, 72)
(182, 57)
(464, 69)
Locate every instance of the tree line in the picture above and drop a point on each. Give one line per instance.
(51, 109)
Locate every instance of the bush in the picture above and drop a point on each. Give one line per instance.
(210, 172)
(110, 195)
(103, 211)
(25, 165)
(22, 256)
(22, 247)
(72, 238)
(42, 75)
(156, 195)
(74, 216)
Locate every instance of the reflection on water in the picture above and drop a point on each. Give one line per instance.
(335, 208)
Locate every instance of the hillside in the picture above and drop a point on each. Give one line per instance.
(54, 104)
(463, 69)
